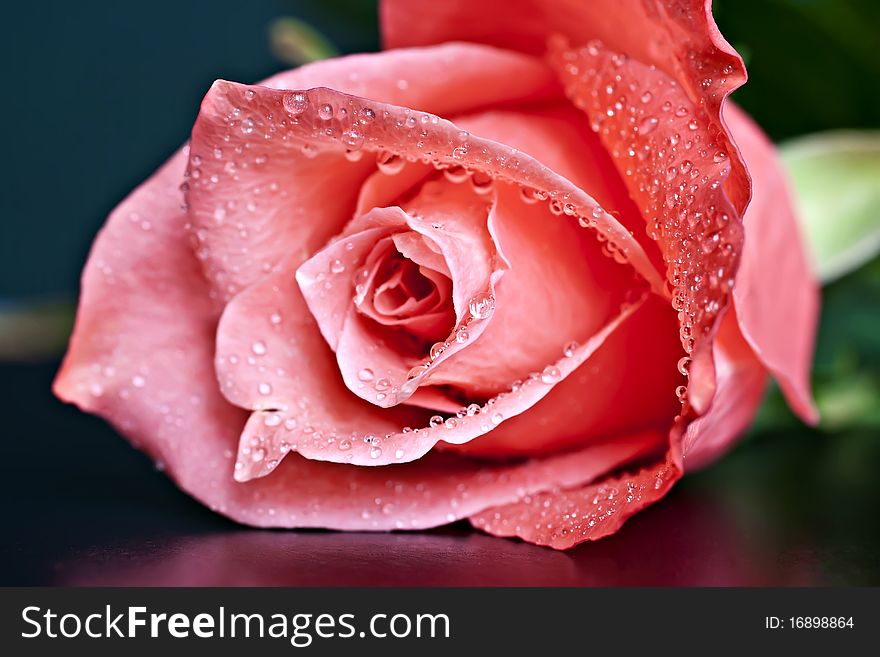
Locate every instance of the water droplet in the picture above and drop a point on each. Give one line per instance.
(264, 389)
(247, 126)
(497, 418)
(353, 139)
(382, 384)
(272, 420)
(398, 454)
(259, 347)
(481, 306)
(472, 409)
(684, 365)
(481, 182)
(550, 374)
(365, 374)
(375, 452)
(325, 112)
(461, 335)
(451, 423)
(530, 195)
(337, 266)
(435, 421)
(295, 103)
(258, 454)
(138, 381)
(681, 393)
(456, 174)
(569, 350)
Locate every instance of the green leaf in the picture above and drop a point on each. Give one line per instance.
(836, 177)
(34, 331)
(296, 42)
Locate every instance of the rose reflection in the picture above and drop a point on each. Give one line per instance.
(691, 540)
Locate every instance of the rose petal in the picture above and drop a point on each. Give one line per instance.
(253, 199)
(564, 519)
(135, 358)
(776, 295)
(678, 36)
(435, 490)
(741, 382)
(627, 385)
(679, 167)
(557, 136)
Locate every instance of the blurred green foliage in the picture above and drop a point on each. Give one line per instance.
(813, 64)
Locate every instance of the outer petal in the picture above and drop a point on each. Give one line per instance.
(562, 519)
(142, 348)
(683, 174)
(678, 36)
(254, 199)
(435, 490)
(776, 295)
(742, 379)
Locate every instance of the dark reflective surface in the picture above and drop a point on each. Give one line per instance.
(80, 507)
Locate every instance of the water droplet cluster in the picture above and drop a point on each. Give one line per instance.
(563, 518)
(675, 162)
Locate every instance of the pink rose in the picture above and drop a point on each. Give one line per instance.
(534, 312)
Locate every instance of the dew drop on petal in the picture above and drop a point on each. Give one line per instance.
(550, 374)
(481, 306)
(295, 103)
(325, 112)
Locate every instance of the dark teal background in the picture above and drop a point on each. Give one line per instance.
(98, 94)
